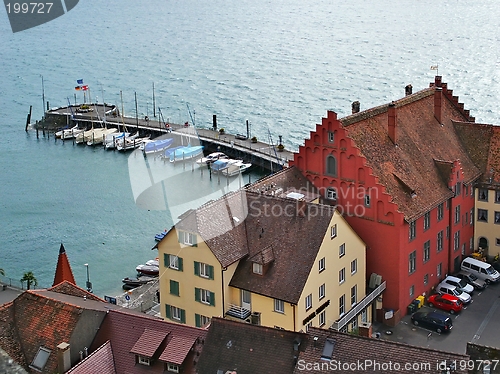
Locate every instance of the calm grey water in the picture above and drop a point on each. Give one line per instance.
(280, 64)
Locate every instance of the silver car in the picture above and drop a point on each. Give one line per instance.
(443, 288)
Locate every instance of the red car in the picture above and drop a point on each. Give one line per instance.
(449, 303)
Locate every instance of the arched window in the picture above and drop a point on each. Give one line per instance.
(331, 165)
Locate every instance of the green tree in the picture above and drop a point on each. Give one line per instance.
(30, 279)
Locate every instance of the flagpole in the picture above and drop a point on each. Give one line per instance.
(43, 95)
(154, 103)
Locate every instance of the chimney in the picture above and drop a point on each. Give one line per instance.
(437, 81)
(301, 208)
(355, 107)
(438, 93)
(365, 329)
(408, 89)
(63, 357)
(391, 112)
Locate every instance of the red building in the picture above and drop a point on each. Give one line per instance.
(404, 182)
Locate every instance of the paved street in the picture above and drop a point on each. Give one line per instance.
(478, 323)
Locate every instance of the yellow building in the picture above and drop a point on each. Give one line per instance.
(273, 258)
(487, 219)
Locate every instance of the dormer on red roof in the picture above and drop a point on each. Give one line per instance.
(63, 269)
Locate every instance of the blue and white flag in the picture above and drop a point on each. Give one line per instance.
(79, 81)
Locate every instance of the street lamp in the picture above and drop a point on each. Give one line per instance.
(89, 285)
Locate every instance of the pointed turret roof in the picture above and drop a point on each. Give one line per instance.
(63, 269)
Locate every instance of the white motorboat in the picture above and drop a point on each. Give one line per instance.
(85, 136)
(95, 140)
(212, 157)
(230, 167)
(60, 133)
(71, 133)
(128, 144)
(111, 139)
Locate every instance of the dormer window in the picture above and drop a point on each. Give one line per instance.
(173, 368)
(257, 268)
(143, 360)
(187, 238)
(331, 193)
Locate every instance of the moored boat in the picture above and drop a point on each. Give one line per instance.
(212, 157)
(186, 153)
(151, 267)
(153, 146)
(128, 143)
(230, 167)
(160, 236)
(95, 140)
(138, 281)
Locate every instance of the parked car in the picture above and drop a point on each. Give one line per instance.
(480, 269)
(470, 278)
(449, 303)
(432, 320)
(445, 288)
(460, 284)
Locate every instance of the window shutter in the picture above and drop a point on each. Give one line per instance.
(197, 294)
(167, 310)
(195, 242)
(174, 287)
(197, 319)
(196, 268)
(180, 263)
(166, 260)
(210, 271)
(183, 316)
(212, 298)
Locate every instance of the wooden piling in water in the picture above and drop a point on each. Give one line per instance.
(28, 119)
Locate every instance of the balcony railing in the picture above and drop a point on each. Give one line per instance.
(237, 311)
(358, 308)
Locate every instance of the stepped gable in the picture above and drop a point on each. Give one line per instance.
(63, 268)
(342, 348)
(127, 334)
(278, 230)
(482, 142)
(424, 132)
(100, 361)
(235, 347)
(447, 93)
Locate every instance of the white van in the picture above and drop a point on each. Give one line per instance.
(480, 269)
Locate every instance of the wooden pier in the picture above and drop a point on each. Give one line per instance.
(265, 155)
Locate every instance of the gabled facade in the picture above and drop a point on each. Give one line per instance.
(262, 258)
(401, 178)
(483, 144)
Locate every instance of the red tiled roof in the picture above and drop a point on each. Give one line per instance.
(177, 349)
(248, 349)
(350, 349)
(421, 140)
(100, 361)
(483, 145)
(123, 329)
(63, 269)
(149, 342)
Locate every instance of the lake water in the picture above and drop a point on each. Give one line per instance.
(279, 64)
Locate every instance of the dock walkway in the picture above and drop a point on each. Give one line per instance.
(259, 153)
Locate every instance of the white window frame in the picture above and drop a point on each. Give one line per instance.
(341, 250)
(354, 295)
(321, 264)
(174, 262)
(257, 268)
(333, 231)
(279, 306)
(341, 305)
(322, 318)
(367, 201)
(205, 296)
(331, 136)
(174, 368)
(143, 360)
(412, 290)
(342, 276)
(204, 272)
(175, 313)
(439, 270)
(427, 221)
(308, 301)
(321, 291)
(354, 266)
(331, 193)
